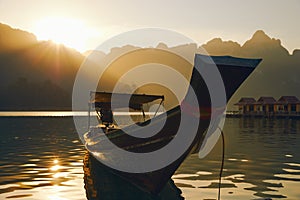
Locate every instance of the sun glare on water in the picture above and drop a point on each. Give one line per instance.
(68, 31)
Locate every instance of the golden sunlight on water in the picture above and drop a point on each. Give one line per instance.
(38, 161)
(42, 113)
(42, 158)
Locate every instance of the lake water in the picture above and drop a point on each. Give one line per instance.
(42, 158)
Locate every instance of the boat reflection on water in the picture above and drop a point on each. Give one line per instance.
(101, 183)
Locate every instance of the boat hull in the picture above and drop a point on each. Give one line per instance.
(101, 183)
(233, 71)
(154, 181)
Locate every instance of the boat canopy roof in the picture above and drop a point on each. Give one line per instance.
(229, 60)
(120, 100)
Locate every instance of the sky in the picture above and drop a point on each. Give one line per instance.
(84, 24)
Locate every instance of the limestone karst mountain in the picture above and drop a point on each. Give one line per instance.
(39, 75)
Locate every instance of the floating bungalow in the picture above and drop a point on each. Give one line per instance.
(289, 104)
(285, 106)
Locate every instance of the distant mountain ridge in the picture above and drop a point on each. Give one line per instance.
(15, 39)
(277, 75)
(39, 75)
(35, 75)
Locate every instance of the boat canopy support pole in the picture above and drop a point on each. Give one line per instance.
(158, 107)
(89, 116)
(144, 116)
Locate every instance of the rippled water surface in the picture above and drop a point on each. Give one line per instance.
(42, 158)
(262, 161)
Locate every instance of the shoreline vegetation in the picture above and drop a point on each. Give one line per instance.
(68, 113)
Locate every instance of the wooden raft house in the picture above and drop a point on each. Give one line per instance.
(285, 106)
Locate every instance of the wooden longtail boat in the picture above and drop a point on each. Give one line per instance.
(234, 71)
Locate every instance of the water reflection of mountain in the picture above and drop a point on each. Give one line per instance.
(262, 158)
(271, 148)
(101, 183)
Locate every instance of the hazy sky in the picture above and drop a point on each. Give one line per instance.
(93, 21)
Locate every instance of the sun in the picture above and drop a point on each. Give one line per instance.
(68, 31)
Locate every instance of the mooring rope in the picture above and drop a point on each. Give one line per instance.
(222, 164)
